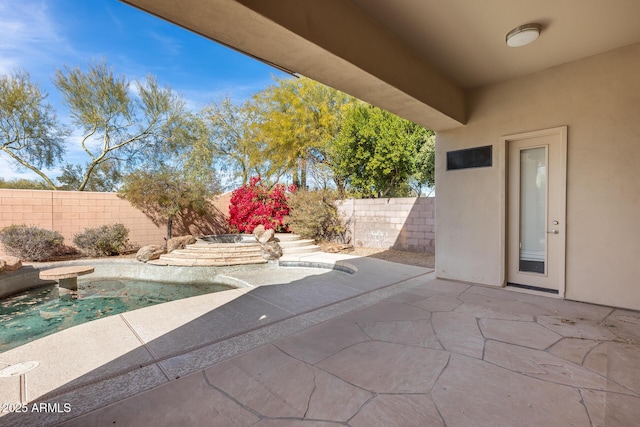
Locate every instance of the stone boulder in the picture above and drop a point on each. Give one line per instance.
(149, 252)
(2, 265)
(179, 242)
(11, 263)
(271, 250)
(337, 248)
(262, 235)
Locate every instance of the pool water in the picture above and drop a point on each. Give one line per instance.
(40, 312)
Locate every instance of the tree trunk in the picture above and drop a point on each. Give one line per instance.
(31, 167)
(169, 226)
(303, 178)
(302, 165)
(339, 186)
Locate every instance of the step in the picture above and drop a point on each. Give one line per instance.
(301, 250)
(205, 262)
(212, 255)
(296, 243)
(240, 251)
(287, 237)
(228, 260)
(223, 246)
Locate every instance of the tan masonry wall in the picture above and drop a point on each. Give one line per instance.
(402, 223)
(70, 212)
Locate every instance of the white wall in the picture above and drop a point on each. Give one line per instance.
(598, 98)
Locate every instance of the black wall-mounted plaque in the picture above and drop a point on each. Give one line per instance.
(477, 157)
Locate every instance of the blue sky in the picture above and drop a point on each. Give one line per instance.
(41, 36)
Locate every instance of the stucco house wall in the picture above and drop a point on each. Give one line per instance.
(598, 98)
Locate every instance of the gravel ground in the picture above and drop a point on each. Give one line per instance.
(401, 257)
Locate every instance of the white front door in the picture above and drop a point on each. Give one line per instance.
(536, 206)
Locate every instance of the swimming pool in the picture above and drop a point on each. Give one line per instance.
(42, 311)
(31, 308)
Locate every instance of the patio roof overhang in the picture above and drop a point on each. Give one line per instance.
(416, 58)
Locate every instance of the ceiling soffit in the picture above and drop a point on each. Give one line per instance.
(465, 39)
(301, 40)
(343, 29)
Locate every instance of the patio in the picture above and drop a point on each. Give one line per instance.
(420, 351)
(447, 66)
(440, 353)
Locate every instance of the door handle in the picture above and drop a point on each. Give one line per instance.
(553, 232)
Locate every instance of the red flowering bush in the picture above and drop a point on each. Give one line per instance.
(255, 204)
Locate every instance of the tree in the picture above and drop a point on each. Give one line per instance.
(117, 128)
(231, 137)
(187, 150)
(178, 180)
(425, 164)
(165, 195)
(296, 122)
(23, 184)
(106, 177)
(30, 133)
(376, 152)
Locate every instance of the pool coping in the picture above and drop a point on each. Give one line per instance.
(27, 277)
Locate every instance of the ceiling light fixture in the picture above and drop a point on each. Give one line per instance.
(523, 35)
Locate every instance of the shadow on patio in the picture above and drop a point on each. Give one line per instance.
(330, 350)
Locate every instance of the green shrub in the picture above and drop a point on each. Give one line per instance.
(314, 215)
(31, 243)
(107, 240)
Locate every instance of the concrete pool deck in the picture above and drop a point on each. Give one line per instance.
(106, 360)
(388, 345)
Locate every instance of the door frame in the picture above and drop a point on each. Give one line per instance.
(562, 132)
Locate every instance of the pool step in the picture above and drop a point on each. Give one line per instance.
(223, 247)
(293, 244)
(168, 259)
(218, 254)
(301, 250)
(296, 243)
(213, 254)
(287, 237)
(184, 253)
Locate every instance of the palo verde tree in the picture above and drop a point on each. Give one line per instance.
(121, 123)
(30, 133)
(164, 195)
(296, 121)
(179, 179)
(23, 184)
(231, 138)
(376, 152)
(106, 176)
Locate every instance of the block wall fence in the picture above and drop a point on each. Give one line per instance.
(70, 212)
(406, 224)
(402, 224)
